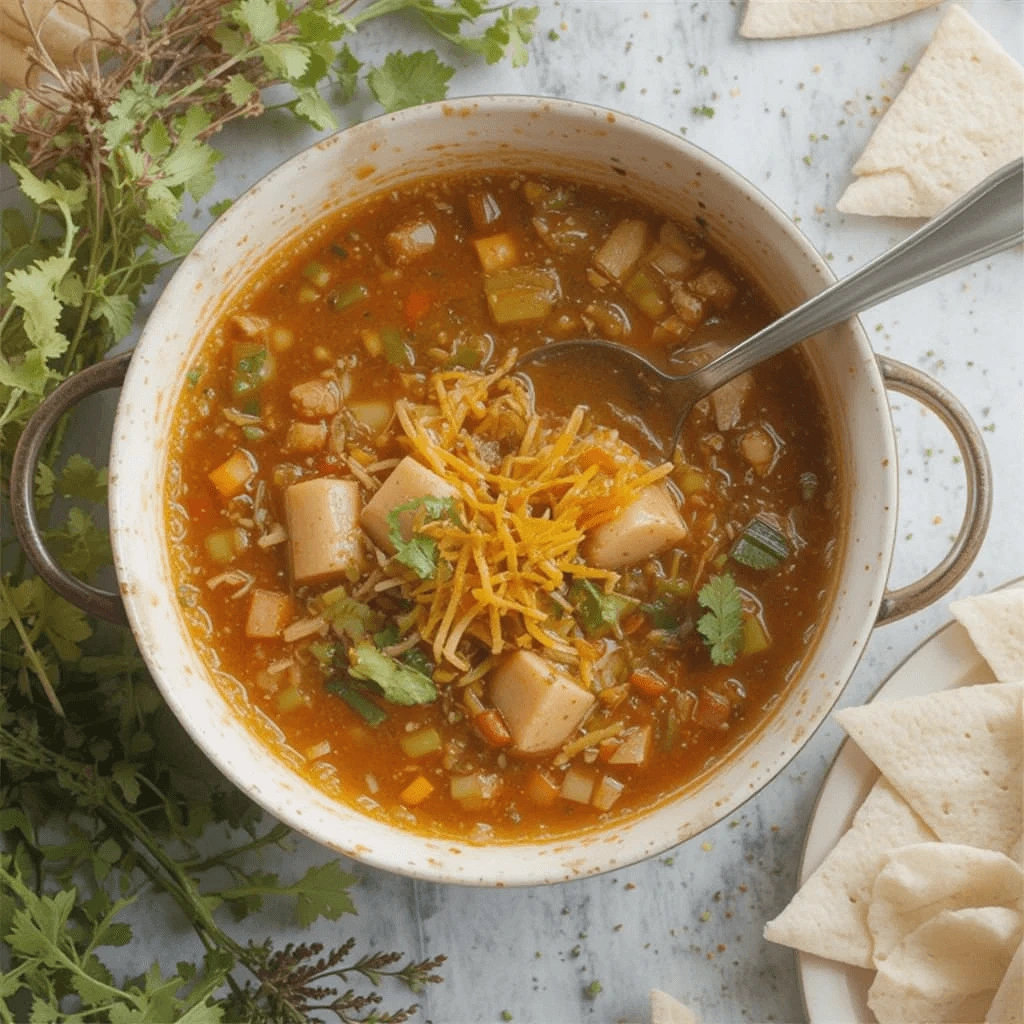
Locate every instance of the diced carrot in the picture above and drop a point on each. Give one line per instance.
(713, 710)
(492, 727)
(416, 792)
(647, 683)
(633, 623)
(417, 306)
(231, 476)
(363, 457)
(541, 790)
(598, 457)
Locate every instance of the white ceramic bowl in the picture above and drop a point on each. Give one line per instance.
(527, 135)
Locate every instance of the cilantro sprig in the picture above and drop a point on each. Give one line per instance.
(419, 552)
(598, 612)
(722, 625)
(397, 682)
(107, 160)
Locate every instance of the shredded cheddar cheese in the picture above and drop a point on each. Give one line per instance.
(531, 488)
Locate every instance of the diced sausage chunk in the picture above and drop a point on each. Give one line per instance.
(316, 398)
(623, 247)
(540, 704)
(648, 526)
(408, 480)
(269, 612)
(323, 528)
(727, 401)
(416, 238)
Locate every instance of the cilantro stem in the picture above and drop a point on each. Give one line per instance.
(30, 652)
(275, 836)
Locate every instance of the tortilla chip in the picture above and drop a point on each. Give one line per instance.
(948, 969)
(829, 914)
(782, 19)
(959, 117)
(955, 756)
(995, 623)
(1008, 1005)
(917, 882)
(666, 1010)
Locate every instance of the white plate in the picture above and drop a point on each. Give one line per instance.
(833, 991)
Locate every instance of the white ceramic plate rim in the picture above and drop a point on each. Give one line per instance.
(833, 991)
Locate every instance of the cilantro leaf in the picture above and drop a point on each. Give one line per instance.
(313, 109)
(80, 546)
(405, 80)
(349, 616)
(419, 552)
(240, 90)
(510, 34)
(400, 684)
(598, 612)
(286, 60)
(347, 70)
(323, 892)
(81, 479)
(722, 625)
(258, 16)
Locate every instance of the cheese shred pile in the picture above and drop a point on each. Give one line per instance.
(531, 489)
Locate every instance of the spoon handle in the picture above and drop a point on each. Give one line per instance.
(987, 220)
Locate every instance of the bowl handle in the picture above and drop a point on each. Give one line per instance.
(109, 373)
(930, 393)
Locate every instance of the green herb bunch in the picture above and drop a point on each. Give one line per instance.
(103, 799)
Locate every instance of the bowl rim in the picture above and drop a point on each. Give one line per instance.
(530, 870)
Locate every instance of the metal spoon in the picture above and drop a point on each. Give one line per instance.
(987, 220)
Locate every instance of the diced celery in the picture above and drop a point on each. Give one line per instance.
(643, 291)
(290, 699)
(396, 351)
(349, 295)
(420, 743)
(521, 294)
(317, 274)
(755, 639)
(220, 546)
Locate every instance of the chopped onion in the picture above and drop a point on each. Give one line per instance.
(607, 792)
(578, 785)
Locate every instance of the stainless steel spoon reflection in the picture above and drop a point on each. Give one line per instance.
(989, 219)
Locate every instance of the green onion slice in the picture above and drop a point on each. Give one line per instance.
(760, 546)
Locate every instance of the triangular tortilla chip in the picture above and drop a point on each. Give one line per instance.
(947, 970)
(781, 19)
(995, 623)
(828, 915)
(917, 882)
(666, 1010)
(959, 117)
(1008, 1004)
(955, 756)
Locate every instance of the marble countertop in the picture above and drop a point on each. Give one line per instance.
(791, 115)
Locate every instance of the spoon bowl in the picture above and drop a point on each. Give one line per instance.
(987, 220)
